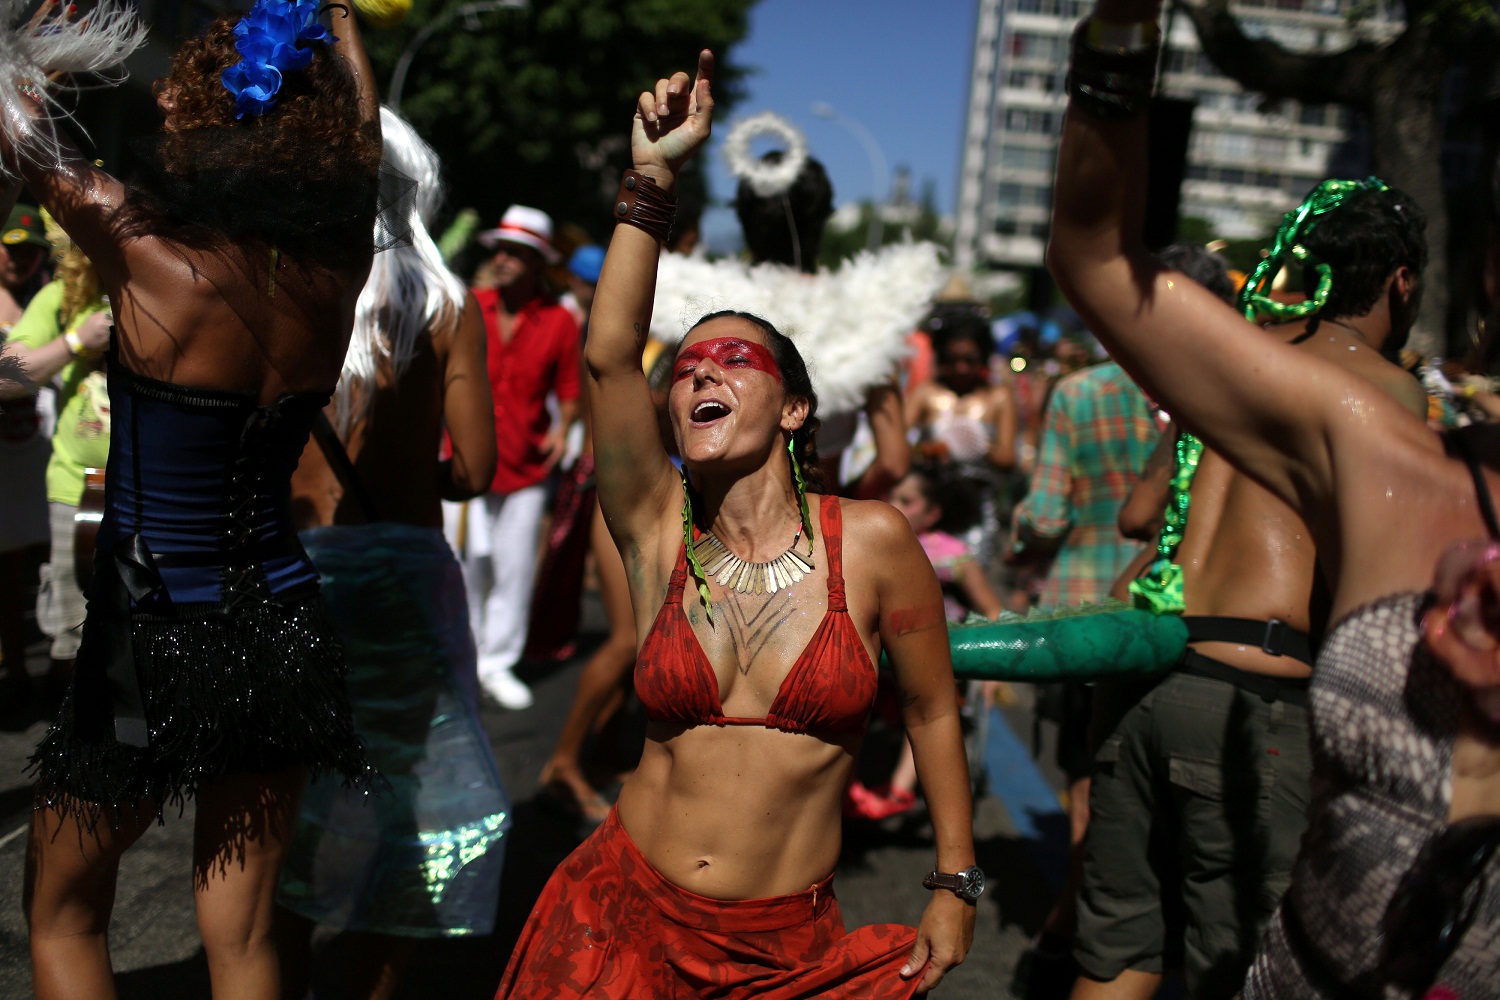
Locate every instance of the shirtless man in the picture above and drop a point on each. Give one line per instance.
(394, 591)
(1200, 870)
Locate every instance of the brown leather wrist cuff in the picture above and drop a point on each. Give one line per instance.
(641, 203)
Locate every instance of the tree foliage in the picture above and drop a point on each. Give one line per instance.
(906, 220)
(1397, 84)
(533, 104)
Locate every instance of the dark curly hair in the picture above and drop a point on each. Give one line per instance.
(1364, 240)
(963, 325)
(787, 228)
(944, 486)
(1202, 265)
(797, 382)
(317, 111)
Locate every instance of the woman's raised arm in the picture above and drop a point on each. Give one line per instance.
(636, 479)
(1267, 406)
(46, 49)
(349, 43)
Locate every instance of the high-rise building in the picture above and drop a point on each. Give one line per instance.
(1247, 164)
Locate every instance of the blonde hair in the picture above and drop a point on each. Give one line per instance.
(81, 286)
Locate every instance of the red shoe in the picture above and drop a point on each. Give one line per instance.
(878, 803)
(856, 796)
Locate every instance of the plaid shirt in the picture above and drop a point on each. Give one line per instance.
(1098, 433)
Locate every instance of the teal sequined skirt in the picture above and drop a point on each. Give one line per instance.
(422, 859)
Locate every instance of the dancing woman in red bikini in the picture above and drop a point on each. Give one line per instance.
(763, 611)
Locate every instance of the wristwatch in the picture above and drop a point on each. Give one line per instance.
(966, 885)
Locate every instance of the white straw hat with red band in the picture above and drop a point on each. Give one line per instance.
(530, 227)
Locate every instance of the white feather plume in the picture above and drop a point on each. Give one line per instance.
(97, 43)
(410, 291)
(850, 325)
(765, 179)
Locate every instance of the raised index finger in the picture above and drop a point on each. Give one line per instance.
(702, 85)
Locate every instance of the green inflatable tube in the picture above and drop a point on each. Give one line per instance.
(1081, 645)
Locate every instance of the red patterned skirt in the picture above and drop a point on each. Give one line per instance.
(610, 926)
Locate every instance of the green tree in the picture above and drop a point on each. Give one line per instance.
(1397, 82)
(903, 219)
(532, 104)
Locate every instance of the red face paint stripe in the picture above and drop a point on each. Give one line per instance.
(729, 353)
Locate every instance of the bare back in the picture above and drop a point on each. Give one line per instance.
(208, 315)
(395, 444)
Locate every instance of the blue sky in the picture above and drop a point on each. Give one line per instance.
(900, 68)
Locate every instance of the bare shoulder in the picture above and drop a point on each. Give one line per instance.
(1394, 381)
(1398, 383)
(919, 397)
(876, 535)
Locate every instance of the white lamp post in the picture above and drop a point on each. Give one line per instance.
(878, 165)
(403, 64)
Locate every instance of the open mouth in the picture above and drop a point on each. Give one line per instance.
(708, 411)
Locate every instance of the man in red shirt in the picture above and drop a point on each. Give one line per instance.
(532, 346)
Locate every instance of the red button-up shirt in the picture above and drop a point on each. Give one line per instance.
(540, 357)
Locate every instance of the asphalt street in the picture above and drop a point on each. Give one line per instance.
(1017, 825)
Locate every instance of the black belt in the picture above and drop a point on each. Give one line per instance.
(1291, 690)
(1274, 637)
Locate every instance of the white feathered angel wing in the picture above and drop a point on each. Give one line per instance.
(851, 324)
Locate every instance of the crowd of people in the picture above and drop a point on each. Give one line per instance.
(302, 497)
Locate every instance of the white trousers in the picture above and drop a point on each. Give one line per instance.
(495, 537)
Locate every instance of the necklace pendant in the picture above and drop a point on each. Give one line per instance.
(745, 577)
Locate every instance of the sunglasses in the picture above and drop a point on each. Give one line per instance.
(1436, 902)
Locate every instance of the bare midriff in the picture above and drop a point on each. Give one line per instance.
(738, 812)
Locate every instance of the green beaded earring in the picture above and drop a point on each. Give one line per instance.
(699, 576)
(801, 485)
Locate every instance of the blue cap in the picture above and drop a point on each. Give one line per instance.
(586, 262)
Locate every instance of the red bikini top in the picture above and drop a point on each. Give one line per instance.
(830, 689)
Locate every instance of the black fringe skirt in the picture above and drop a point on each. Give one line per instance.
(259, 688)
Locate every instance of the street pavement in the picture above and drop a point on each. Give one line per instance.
(153, 939)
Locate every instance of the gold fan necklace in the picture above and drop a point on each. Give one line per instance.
(745, 577)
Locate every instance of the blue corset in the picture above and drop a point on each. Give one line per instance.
(197, 494)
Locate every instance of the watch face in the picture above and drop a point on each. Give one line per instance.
(973, 883)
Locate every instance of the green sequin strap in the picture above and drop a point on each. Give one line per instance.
(1295, 226)
(1159, 589)
(694, 565)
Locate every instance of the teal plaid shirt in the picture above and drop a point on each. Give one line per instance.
(1098, 433)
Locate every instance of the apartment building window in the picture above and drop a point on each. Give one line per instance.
(1030, 122)
(1270, 147)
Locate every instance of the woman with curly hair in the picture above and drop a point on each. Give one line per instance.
(207, 669)
(762, 610)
